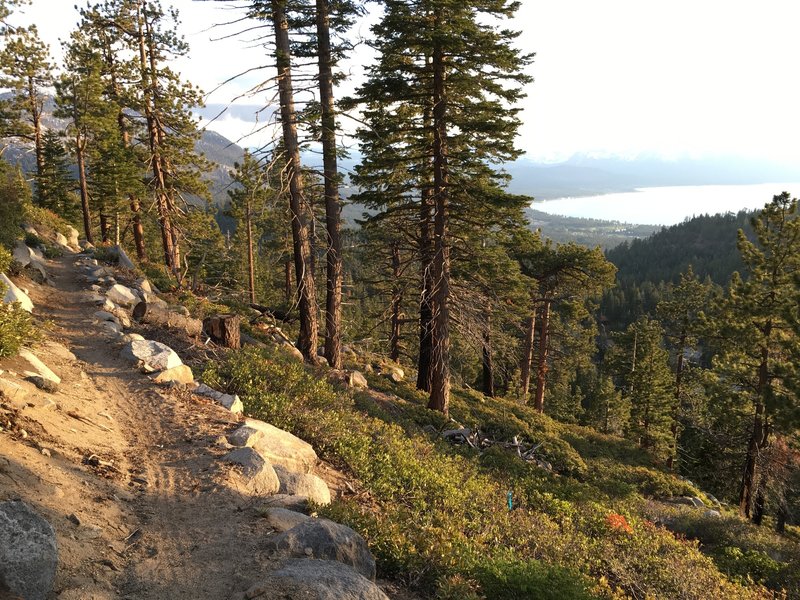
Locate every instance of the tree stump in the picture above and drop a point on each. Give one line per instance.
(223, 330)
(155, 314)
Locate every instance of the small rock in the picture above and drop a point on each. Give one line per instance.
(157, 356)
(122, 295)
(46, 385)
(12, 391)
(72, 239)
(45, 452)
(712, 514)
(229, 401)
(292, 351)
(74, 519)
(38, 366)
(180, 374)
(113, 328)
(357, 380)
(102, 315)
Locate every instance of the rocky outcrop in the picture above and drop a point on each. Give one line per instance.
(28, 551)
(315, 580)
(155, 356)
(326, 540)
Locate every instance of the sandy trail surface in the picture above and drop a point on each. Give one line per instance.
(126, 472)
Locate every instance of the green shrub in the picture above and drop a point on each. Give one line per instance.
(5, 260)
(747, 566)
(16, 328)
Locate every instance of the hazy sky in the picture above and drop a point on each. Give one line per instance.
(625, 77)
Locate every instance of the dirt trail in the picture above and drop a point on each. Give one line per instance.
(126, 472)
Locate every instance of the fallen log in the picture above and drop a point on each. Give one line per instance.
(224, 330)
(154, 314)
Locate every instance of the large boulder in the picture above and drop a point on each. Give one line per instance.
(14, 294)
(37, 366)
(326, 540)
(155, 355)
(257, 474)
(28, 551)
(122, 295)
(276, 445)
(315, 580)
(303, 484)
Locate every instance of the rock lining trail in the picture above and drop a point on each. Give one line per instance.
(130, 474)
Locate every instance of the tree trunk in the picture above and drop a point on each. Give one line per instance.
(440, 351)
(298, 208)
(541, 363)
(333, 251)
(397, 298)
(224, 330)
(149, 83)
(488, 366)
(758, 435)
(87, 217)
(425, 307)
(781, 517)
(527, 357)
(105, 227)
(287, 282)
(251, 266)
(760, 503)
(36, 120)
(138, 230)
(677, 405)
(157, 314)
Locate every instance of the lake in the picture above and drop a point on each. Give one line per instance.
(667, 205)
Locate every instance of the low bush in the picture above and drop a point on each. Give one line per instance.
(437, 515)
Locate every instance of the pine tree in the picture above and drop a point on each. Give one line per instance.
(568, 278)
(25, 70)
(680, 313)
(438, 110)
(80, 99)
(759, 356)
(641, 366)
(248, 200)
(54, 184)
